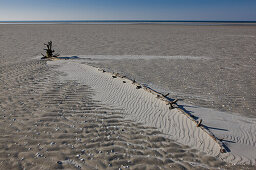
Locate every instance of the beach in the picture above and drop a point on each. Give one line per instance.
(69, 114)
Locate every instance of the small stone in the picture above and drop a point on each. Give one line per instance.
(79, 167)
(38, 155)
(83, 151)
(59, 162)
(52, 143)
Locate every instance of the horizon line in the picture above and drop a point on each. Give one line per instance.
(230, 21)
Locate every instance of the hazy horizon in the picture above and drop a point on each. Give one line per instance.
(249, 21)
(201, 10)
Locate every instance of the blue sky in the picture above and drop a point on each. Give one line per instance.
(128, 10)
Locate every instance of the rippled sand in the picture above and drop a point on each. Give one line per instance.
(48, 124)
(226, 81)
(52, 124)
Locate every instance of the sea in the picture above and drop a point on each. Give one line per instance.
(166, 22)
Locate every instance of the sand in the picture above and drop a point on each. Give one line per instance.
(47, 123)
(228, 77)
(55, 115)
(143, 107)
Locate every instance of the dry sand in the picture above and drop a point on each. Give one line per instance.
(227, 79)
(51, 124)
(143, 107)
(47, 116)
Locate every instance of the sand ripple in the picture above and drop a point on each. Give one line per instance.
(46, 124)
(143, 107)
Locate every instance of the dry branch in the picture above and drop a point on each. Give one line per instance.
(49, 52)
(138, 87)
(199, 123)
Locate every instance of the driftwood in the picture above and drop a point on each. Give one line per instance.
(171, 103)
(174, 102)
(166, 95)
(199, 123)
(171, 106)
(220, 143)
(49, 51)
(138, 87)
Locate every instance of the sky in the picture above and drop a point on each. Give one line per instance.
(222, 10)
